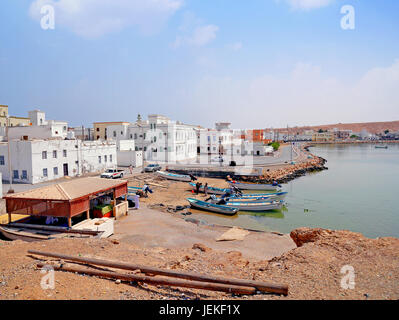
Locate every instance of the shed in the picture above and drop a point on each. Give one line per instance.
(66, 199)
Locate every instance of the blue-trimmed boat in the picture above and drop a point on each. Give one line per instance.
(207, 206)
(174, 176)
(211, 190)
(255, 186)
(260, 196)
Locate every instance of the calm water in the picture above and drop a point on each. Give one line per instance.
(359, 192)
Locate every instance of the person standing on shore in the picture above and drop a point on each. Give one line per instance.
(206, 189)
(197, 187)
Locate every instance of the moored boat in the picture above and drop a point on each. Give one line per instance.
(173, 176)
(381, 147)
(254, 186)
(259, 196)
(255, 206)
(211, 190)
(198, 204)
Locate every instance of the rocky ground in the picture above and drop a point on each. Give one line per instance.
(312, 270)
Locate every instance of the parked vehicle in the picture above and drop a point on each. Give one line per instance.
(113, 174)
(152, 168)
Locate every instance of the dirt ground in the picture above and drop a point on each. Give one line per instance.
(311, 271)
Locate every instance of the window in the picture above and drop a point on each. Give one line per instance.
(114, 133)
(105, 158)
(131, 136)
(110, 158)
(44, 155)
(24, 175)
(55, 154)
(135, 136)
(55, 170)
(15, 174)
(99, 159)
(98, 129)
(45, 173)
(64, 152)
(1, 160)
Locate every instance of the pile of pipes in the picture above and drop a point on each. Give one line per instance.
(169, 277)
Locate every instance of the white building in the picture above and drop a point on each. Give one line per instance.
(127, 155)
(40, 128)
(159, 138)
(38, 160)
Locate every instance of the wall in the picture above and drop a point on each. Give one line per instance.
(128, 158)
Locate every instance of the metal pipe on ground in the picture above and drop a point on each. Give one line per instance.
(260, 286)
(157, 281)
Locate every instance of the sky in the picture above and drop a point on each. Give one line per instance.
(254, 63)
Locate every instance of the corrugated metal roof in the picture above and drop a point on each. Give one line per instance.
(69, 190)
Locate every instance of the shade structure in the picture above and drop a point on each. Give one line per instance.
(66, 199)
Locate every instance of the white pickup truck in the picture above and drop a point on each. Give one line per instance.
(112, 174)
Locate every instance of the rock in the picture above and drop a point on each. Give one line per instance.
(201, 247)
(118, 281)
(305, 235)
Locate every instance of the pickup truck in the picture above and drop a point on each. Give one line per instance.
(112, 174)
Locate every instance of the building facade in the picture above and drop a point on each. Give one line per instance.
(34, 161)
(101, 131)
(11, 121)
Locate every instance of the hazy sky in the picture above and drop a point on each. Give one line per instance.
(255, 63)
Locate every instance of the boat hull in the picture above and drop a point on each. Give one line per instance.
(175, 177)
(225, 210)
(211, 190)
(254, 186)
(255, 206)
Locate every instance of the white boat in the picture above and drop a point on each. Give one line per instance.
(211, 190)
(208, 206)
(258, 196)
(255, 206)
(254, 186)
(173, 176)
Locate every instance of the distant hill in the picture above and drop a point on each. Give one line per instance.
(372, 127)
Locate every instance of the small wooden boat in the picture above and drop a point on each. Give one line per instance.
(255, 206)
(30, 233)
(254, 186)
(198, 204)
(211, 190)
(134, 189)
(258, 196)
(173, 176)
(381, 147)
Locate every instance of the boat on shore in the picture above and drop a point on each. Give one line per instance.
(250, 196)
(207, 206)
(31, 233)
(173, 176)
(254, 186)
(381, 147)
(255, 206)
(211, 190)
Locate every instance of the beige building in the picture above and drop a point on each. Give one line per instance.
(12, 121)
(100, 128)
(323, 136)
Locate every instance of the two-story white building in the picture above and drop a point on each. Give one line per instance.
(159, 138)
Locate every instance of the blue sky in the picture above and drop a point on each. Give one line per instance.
(255, 63)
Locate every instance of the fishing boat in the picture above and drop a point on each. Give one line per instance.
(31, 233)
(250, 196)
(211, 190)
(381, 147)
(173, 176)
(255, 206)
(198, 204)
(134, 189)
(254, 186)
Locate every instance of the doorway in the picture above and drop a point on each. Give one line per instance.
(65, 166)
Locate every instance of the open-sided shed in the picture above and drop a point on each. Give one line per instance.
(66, 199)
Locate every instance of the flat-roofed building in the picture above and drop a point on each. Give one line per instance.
(101, 131)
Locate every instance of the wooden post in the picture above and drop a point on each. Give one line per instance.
(70, 222)
(88, 214)
(9, 218)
